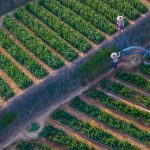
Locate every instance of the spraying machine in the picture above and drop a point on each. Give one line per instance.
(130, 57)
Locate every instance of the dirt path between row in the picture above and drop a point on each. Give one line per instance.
(51, 144)
(132, 86)
(125, 100)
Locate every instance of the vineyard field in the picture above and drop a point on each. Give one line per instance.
(60, 89)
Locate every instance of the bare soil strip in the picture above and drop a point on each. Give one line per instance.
(118, 134)
(1, 102)
(27, 72)
(31, 54)
(11, 83)
(125, 100)
(114, 113)
(146, 2)
(51, 144)
(78, 136)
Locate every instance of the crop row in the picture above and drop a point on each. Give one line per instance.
(138, 5)
(123, 7)
(59, 27)
(5, 90)
(29, 145)
(32, 43)
(73, 20)
(21, 56)
(98, 20)
(48, 36)
(14, 72)
(94, 133)
(145, 68)
(103, 9)
(134, 79)
(120, 106)
(124, 91)
(110, 120)
(58, 136)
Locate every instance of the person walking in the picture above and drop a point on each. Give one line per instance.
(120, 23)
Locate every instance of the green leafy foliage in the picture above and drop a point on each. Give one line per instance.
(21, 56)
(32, 43)
(110, 120)
(124, 7)
(65, 31)
(34, 127)
(26, 145)
(93, 133)
(5, 90)
(95, 64)
(98, 20)
(14, 72)
(8, 118)
(134, 79)
(75, 21)
(48, 36)
(124, 91)
(138, 5)
(120, 106)
(144, 68)
(103, 9)
(58, 136)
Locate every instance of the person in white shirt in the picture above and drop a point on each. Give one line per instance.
(115, 58)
